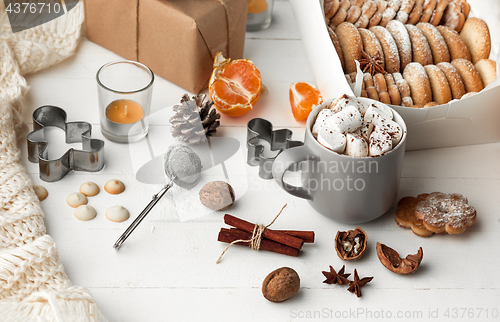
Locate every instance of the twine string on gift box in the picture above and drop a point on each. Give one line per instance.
(256, 236)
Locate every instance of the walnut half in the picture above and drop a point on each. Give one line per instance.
(393, 262)
(351, 244)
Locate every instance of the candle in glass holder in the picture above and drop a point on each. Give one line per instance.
(124, 111)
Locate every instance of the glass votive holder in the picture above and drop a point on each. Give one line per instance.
(260, 13)
(124, 90)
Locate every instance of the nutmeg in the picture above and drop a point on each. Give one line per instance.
(217, 195)
(281, 284)
(393, 262)
(351, 244)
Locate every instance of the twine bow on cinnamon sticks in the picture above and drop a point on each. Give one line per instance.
(287, 242)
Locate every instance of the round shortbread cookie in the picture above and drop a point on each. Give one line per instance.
(371, 45)
(441, 91)
(470, 75)
(428, 6)
(421, 50)
(351, 44)
(367, 11)
(416, 13)
(391, 11)
(419, 83)
(407, 102)
(354, 11)
(391, 54)
(341, 14)
(487, 69)
(375, 19)
(465, 9)
(431, 104)
(476, 37)
(363, 93)
(336, 44)
(437, 14)
(470, 94)
(402, 39)
(454, 80)
(455, 43)
(368, 80)
(453, 17)
(404, 11)
(379, 83)
(331, 7)
(384, 98)
(439, 48)
(371, 92)
(418, 228)
(402, 85)
(392, 89)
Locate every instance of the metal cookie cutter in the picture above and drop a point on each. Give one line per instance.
(279, 140)
(90, 158)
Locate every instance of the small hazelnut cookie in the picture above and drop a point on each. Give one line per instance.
(40, 192)
(114, 187)
(76, 199)
(89, 189)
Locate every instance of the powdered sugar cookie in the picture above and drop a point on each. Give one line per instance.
(390, 12)
(336, 44)
(391, 55)
(487, 69)
(41, 192)
(437, 14)
(476, 37)
(419, 83)
(392, 89)
(89, 189)
(354, 11)
(331, 7)
(470, 75)
(402, 39)
(404, 10)
(454, 80)
(375, 19)
(441, 91)
(470, 94)
(453, 16)
(371, 45)
(381, 87)
(439, 49)
(351, 44)
(404, 90)
(371, 92)
(76, 199)
(416, 13)
(455, 43)
(465, 9)
(431, 104)
(428, 6)
(421, 50)
(341, 14)
(367, 11)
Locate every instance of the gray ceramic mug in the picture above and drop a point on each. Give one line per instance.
(347, 189)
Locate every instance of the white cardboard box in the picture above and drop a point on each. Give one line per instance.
(474, 120)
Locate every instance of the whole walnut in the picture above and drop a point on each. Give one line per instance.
(281, 284)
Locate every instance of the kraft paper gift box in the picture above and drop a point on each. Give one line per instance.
(177, 39)
(474, 120)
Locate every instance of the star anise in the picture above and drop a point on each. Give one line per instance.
(333, 277)
(372, 64)
(355, 286)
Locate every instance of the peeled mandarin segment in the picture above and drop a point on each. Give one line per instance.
(234, 86)
(303, 97)
(257, 6)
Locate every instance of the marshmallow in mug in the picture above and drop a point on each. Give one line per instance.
(346, 121)
(345, 101)
(320, 120)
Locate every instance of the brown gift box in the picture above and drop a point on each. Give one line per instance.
(177, 39)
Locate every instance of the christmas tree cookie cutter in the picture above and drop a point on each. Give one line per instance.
(278, 140)
(90, 158)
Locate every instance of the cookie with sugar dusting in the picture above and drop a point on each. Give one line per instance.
(405, 215)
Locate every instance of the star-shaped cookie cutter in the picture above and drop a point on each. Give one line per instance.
(278, 140)
(90, 158)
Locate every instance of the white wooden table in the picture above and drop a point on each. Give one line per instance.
(166, 271)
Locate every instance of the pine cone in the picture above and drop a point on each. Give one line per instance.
(195, 119)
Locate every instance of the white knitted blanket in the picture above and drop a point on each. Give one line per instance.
(33, 284)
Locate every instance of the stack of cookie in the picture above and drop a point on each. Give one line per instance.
(420, 65)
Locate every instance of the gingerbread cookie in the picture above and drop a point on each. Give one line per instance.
(487, 69)
(416, 13)
(470, 75)
(351, 44)
(402, 39)
(439, 49)
(419, 83)
(336, 44)
(437, 14)
(445, 213)
(392, 89)
(371, 45)
(392, 62)
(441, 91)
(476, 37)
(428, 6)
(367, 11)
(405, 215)
(454, 80)
(455, 43)
(421, 50)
